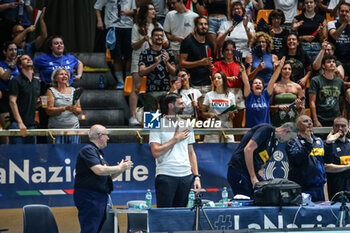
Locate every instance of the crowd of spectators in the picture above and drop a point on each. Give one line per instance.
(222, 53)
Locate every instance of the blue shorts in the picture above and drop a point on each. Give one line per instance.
(123, 44)
(215, 23)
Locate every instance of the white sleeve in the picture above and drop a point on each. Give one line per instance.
(331, 25)
(206, 99)
(135, 35)
(155, 136)
(99, 4)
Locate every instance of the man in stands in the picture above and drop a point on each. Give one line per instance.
(339, 31)
(326, 94)
(178, 24)
(196, 56)
(254, 150)
(306, 156)
(176, 159)
(118, 14)
(156, 63)
(19, 36)
(24, 91)
(93, 180)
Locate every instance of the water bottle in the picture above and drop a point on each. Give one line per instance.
(191, 197)
(149, 199)
(101, 82)
(224, 197)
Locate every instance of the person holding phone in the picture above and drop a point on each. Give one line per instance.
(189, 95)
(63, 114)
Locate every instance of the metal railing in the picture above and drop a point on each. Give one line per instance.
(138, 132)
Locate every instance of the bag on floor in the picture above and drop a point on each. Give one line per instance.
(277, 192)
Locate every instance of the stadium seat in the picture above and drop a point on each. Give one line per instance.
(38, 219)
(128, 85)
(329, 18)
(263, 14)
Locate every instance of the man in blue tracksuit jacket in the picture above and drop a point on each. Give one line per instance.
(306, 155)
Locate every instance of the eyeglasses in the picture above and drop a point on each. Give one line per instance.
(340, 125)
(105, 134)
(182, 76)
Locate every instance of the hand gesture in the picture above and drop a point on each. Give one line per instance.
(298, 24)
(146, 38)
(177, 84)
(43, 13)
(125, 164)
(158, 59)
(283, 107)
(165, 57)
(230, 29)
(332, 136)
(245, 21)
(232, 114)
(206, 61)
(194, 103)
(261, 65)
(181, 135)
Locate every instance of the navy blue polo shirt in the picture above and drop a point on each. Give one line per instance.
(89, 156)
(264, 136)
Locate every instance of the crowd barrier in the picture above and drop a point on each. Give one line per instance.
(44, 173)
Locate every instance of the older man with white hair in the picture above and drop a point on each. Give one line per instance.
(93, 180)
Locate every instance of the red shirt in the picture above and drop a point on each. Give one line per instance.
(230, 70)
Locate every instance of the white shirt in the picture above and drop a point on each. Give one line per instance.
(175, 162)
(111, 12)
(189, 110)
(179, 24)
(289, 8)
(238, 35)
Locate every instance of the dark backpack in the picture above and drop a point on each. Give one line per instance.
(277, 192)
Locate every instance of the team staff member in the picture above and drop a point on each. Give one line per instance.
(338, 168)
(176, 159)
(306, 156)
(93, 180)
(254, 150)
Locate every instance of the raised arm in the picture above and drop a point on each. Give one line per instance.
(274, 76)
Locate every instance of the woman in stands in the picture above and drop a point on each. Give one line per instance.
(8, 70)
(189, 95)
(55, 56)
(311, 28)
(261, 62)
(230, 66)
(301, 65)
(63, 114)
(239, 32)
(285, 93)
(257, 98)
(217, 11)
(140, 40)
(215, 103)
(276, 20)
